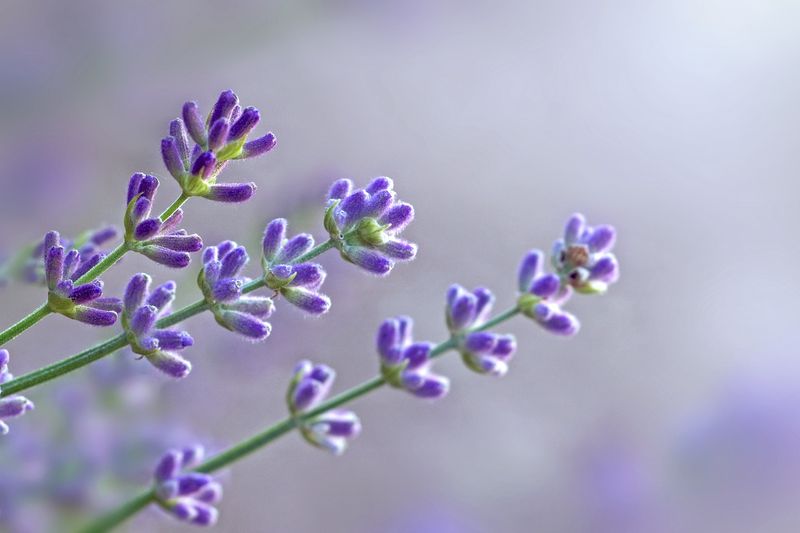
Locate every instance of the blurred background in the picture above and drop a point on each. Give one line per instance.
(676, 408)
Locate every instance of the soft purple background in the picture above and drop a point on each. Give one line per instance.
(675, 409)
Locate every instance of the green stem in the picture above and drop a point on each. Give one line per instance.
(107, 262)
(110, 346)
(272, 433)
(14, 330)
(179, 201)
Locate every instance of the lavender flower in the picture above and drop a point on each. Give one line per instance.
(482, 351)
(222, 287)
(89, 246)
(189, 496)
(161, 241)
(330, 430)
(84, 302)
(220, 138)
(298, 283)
(10, 406)
(142, 308)
(365, 223)
(406, 364)
(582, 257)
(542, 296)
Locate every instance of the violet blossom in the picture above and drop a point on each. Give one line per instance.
(188, 496)
(583, 256)
(542, 295)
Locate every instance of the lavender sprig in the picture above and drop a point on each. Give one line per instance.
(583, 258)
(188, 496)
(142, 309)
(221, 137)
(364, 225)
(10, 406)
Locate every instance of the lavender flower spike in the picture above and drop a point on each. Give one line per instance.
(364, 225)
(298, 283)
(406, 364)
(161, 241)
(331, 430)
(10, 406)
(221, 137)
(482, 351)
(142, 308)
(188, 496)
(583, 258)
(84, 302)
(221, 284)
(542, 295)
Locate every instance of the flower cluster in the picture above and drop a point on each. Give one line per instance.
(142, 308)
(84, 302)
(330, 430)
(298, 283)
(189, 496)
(583, 256)
(159, 240)
(406, 364)
(222, 288)
(10, 406)
(89, 246)
(364, 224)
(219, 139)
(542, 295)
(482, 351)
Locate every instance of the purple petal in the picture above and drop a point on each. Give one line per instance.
(218, 134)
(546, 286)
(86, 266)
(141, 209)
(54, 266)
(180, 243)
(191, 482)
(259, 306)
(400, 250)
(274, 234)
(169, 339)
(381, 183)
(353, 206)
(233, 262)
(225, 103)
(481, 342)
(230, 192)
(95, 317)
(574, 228)
(170, 364)
(227, 289)
(310, 302)
(107, 304)
(246, 325)
(247, 121)
(143, 320)
(606, 269)
(505, 347)
(86, 293)
(205, 515)
(146, 229)
(340, 423)
(602, 239)
(379, 203)
(340, 189)
(561, 323)
(204, 165)
(295, 247)
(171, 155)
(369, 260)
(387, 341)
(259, 146)
(211, 493)
(166, 257)
(309, 275)
(431, 387)
(194, 123)
(485, 301)
(463, 311)
(133, 186)
(398, 217)
(162, 296)
(168, 466)
(178, 131)
(529, 269)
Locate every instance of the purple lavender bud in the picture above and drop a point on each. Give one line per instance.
(430, 387)
(194, 123)
(340, 423)
(248, 120)
(179, 243)
(211, 272)
(133, 186)
(400, 250)
(170, 153)
(86, 293)
(605, 269)
(227, 289)
(205, 515)
(169, 339)
(381, 183)
(353, 206)
(245, 324)
(222, 109)
(146, 229)
(484, 302)
(233, 262)
(4, 358)
(103, 235)
(53, 265)
(309, 275)
(211, 493)
(192, 482)
(310, 302)
(529, 269)
(259, 306)
(398, 217)
(95, 317)
(259, 146)
(143, 320)
(218, 134)
(387, 340)
(170, 225)
(71, 262)
(170, 363)
(562, 323)
(575, 226)
(602, 239)
(546, 286)
(417, 354)
(86, 266)
(108, 304)
(462, 312)
(340, 189)
(230, 192)
(167, 257)
(379, 203)
(480, 342)
(274, 235)
(14, 406)
(204, 165)
(505, 347)
(184, 510)
(141, 209)
(225, 247)
(369, 260)
(178, 131)
(192, 455)
(148, 186)
(168, 466)
(295, 247)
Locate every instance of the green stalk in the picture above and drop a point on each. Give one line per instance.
(14, 330)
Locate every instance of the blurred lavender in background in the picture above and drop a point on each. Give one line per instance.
(674, 120)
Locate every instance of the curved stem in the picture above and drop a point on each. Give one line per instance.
(107, 262)
(52, 371)
(179, 201)
(14, 330)
(274, 432)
